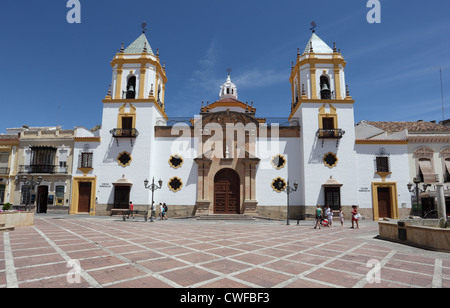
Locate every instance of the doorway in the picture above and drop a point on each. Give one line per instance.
(227, 192)
(84, 199)
(122, 197)
(384, 202)
(42, 199)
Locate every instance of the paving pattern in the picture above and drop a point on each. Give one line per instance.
(84, 252)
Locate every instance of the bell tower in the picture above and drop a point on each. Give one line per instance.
(138, 75)
(318, 74)
(324, 109)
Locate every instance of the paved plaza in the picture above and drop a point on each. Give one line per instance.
(83, 252)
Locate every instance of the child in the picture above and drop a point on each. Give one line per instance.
(354, 217)
(330, 217)
(341, 216)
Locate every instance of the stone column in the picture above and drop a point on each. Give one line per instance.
(442, 215)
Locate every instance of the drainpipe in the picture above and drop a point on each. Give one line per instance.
(442, 215)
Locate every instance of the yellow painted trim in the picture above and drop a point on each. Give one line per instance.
(73, 209)
(275, 188)
(312, 70)
(142, 82)
(119, 71)
(123, 114)
(320, 101)
(177, 156)
(383, 175)
(143, 61)
(394, 199)
(335, 163)
(127, 164)
(332, 114)
(282, 166)
(137, 101)
(85, 170)
(337, 82)
(170, 187)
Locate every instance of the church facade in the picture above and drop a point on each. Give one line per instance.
(230, 160)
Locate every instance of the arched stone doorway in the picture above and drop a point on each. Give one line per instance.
(226, 192)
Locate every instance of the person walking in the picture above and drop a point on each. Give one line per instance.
(341, 216)
(131, 210)
(355, 217)
(318, 216)
(153, 213)
(165, 210)
(161, 211)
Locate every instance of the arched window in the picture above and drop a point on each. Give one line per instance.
(131, 88)
(325, 92)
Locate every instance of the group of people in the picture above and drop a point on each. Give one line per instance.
(325, 217)
(162, 210)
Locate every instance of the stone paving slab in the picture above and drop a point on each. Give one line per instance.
(186, 253)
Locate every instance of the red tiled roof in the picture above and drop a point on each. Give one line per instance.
(421, 126)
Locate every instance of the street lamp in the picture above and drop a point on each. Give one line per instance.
(288, 190)
(31, 184)
(417, 190)
(152, 187)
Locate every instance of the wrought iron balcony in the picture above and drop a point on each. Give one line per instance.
(4, 170)
(330, 133)
(124, 133)
(46, 169)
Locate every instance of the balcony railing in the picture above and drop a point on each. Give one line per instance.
(45, 169)
(4, 170)
(330, 133)
(124, 133)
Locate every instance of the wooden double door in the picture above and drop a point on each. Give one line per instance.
(227, 192)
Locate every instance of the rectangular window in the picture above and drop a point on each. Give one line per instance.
(2, 194)
(382, 164)
(42, 159)
(86, 160)
(328, 123)
(59, 192)
(4, 159)
(333, 197)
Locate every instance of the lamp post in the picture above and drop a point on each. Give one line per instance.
(31, 184)
(288, 190)
(417, 190)
(152, 187)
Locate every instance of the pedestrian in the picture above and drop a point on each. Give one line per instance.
(153, 214)
(131, 210)
(165, 210)
(161, 211)
(329, 216)
(355, 216)
(318, 216)
(341, 216)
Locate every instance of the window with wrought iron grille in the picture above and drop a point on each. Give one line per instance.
(85, 160)
(382, 164)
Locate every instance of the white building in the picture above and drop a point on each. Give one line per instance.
(227, 160)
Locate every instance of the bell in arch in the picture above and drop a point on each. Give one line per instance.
(325, 87)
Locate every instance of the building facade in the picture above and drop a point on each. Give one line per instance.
(42, 169)
(229, 160)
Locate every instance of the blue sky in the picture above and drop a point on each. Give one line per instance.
(56, 73)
